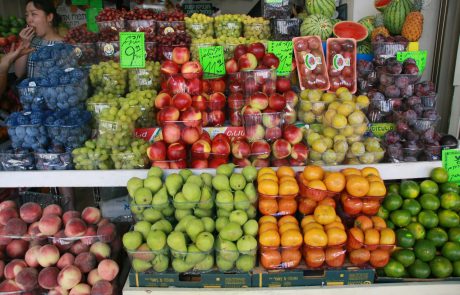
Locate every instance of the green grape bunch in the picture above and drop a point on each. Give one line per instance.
(133, 157)
(229, 25)
(108, 77)
(147, 78)
(257, 27)
(199, 25)
(91, 157)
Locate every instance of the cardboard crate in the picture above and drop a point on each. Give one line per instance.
(326, 277)
(214, 279)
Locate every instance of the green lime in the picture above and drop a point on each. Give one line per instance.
(424, 250)
(409, 189)
(451, 250)
(454, 234)
(413, 206)
(448, 218)
(404, 238)
(450, 187)
(393, 188)
(456, 266)
(417, 230)
(437, 235)
(429, 202)
(439, 175)
(383, 213)
(394, 269)
(390, 224)
(428, 218)
(441, 267)
(405, 256)
(392, 202)
(420, 269)
(429, 187)
(451, 201)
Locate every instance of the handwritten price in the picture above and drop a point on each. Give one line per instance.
(212, 60)
(282, 50)
(132, 49)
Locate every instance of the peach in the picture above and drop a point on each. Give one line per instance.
(15, 227)
(50, 224)
(299, 152)
(255, 132)
(273, 133)
(103, 221)
(160, 164)
(176, 84)
(107, 232)
(199, 164)
(251, 115)
(9, 286)
(69, 215)
(85, 262)
(47, 278)
(176, 151)
(241, 149)
(247, 62)
(48, 255)
(59, 240)
(171, 132)
(91, 215)
(30, 212)
(162, 100)
(52, 209)
(17, 248)
(191, 117)
(93, 277)
(283, 84)
(102, 288)
(277, 102)
(69, 277)
(180, 55)
(169, 67)
(27, 279)
(259, 101)
(7, 214)
(7, 204)
(81, 289)
(4, 239)
(217, 101)
(79, 247)
(260, 149)
(261, 163)
(271, 119)
(281, 149)
(218, 85)
(291, 98)
(191, 70)
(182, 101)
(31, 256)
(200, 102)
(157, 151)
(34, 229)
(90, 235)
(280, 162)
(64, 260)
(194, 86)
(220, 147)
(75, 227)
(108, 269)
(58, 291)
(293, 162)
(231, 66)
(290, 116)
(13, 267)
(190, 135)
(200, 149)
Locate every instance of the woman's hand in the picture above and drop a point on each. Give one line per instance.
(26, 35)
(14, 54)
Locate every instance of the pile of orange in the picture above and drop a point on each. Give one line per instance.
(370, 241)
(280, 242)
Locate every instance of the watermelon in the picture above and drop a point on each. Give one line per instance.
(335, 21)
(380, 5)
(395, 15)
(365, 47)
(316, 25)
(368, 22)
(323, 7)
(350, 29)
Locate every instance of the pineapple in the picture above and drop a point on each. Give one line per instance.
(413, 25)
(379, 27)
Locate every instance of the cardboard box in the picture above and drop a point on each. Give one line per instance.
(326, 277)
(214, 279)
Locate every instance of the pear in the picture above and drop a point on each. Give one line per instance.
(251, 227)
(173, 183)
(198, 212)
(132, 240)
(251, 192)
(221, 183)
(179, 214)
(133, 184)
(237, 181)
(223, 213)
(185, 174)
(152, 215)
(176, 241)
(191, 192)
(206, 201)
(225, 169)
(180, 202)
(160, 263)
(241, 201)
(252, 211)
(160, 199)
(227, 250)
(155, 171)
(207, 178)
(194, 255)
(224, 265)
(206, 264)
(250, 173)
(221, 222)
(180, 265)
(231, 232)
(163, 225)
(183, 223)
(168, 211)
(194, 228)
(246, 263)
(238, 216)
(224, 200)
(209, 224)
(143, 196)
(140, 265)
(153, 183)
(143, 227)
(136, 209)
(156, 240)
(247, 244)
(196, 180)
(205, 241)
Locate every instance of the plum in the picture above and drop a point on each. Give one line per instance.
(394, 152)
(386, 80)
(392, 137)
(392, 91)
(411, 69)
(430, 114)
(402, 127)
(379, 38)
(418, 108)
(428, 101)
(449, 141)
(335, 46)
(364, 66)
(409, 61)
(402, 82)
(413, 100)
(411, 135)
(428, 135)
(410, 116)
(424, 88)
(376, 95)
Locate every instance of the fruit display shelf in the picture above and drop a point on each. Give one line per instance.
(117, 178)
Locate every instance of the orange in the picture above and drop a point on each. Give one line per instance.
(268, 206)
(315, 237)
(350, 171)
(267, 226)
(338, 219)
(335, 256)
(307, 206)
(378, 222)
(370, 171)
(265, 170)
(287, 206)
(270, 238)
(314, 257)
(290, 257)
(287, 219)
(363, 222)
(327, 201)
(270, 259)
(335, 182)
(324, 214)
(306, 220)
(291, 238)
(286, 178)
(336, 236)
(287, 226)
(285, 171)
(313, 172)
(377, 189)
(357, 186)
(372, 177)
(289, 187)
(311, 225)
(268, 187)
(387, 236)
(317, 184)
(336, 224)
(268, 177)
(355, 238)
(267, 219)
(371, 236)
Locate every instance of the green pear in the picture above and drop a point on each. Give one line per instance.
(180, 265)
(205, 241)
(160, 198)
(194, 255)
(196, 180)
(132, 240)
(223, 213)
(194, 228)
(185, 174)
(252, 212)
(140, 265)
(153, 183)
(224, 200)
(251, 227)
(206, 264)
(209, 224)
(133, 184)
(136, 209)
(231, 232)
(183, 223)
(180, 202)
(227, 250)
(224, 265)
(176, 241)
(237, 181)
(206, 201)
(225, 169)
(173, 184)
(155, 171)
(251, 192)
(143, 226)
(247, 244)
(191, 192)
(241, 201)
(163, 225)
(179, 214)
(246, 263)
(156, 240)
(221, 183)
(152, 215)
(207, 178)
(143, 196)
(250, 173)
(160, 263)
(238, 216)
(198, 212)
(168, 211)
(221, 222)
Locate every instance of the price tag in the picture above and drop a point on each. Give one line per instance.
(282, 50)
(274, 1)
(418, 56)
(91, 24)
(451, 162)
(380, 129)
(95, 4)
(79, 2)
(212, 60)
(132, 50)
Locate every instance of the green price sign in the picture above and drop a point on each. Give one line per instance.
(380, 129)
(91, 24)
(79, 2)
(212, 60)
(451, 162)
(95, 3)
(132, 50)
(418, 56)
(282, 50)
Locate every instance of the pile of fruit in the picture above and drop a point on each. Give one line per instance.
(9, 31)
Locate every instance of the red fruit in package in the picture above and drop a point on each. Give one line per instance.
(341, 63)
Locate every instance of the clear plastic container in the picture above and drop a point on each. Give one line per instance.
(149, 261)
(85, 158)
(114, 25)
(113, 134)
(312, 112)
(200, 29)
(128, 160)
(266, 126)
(422, 124)
(232, 260)
(30, 97)
(44, 200)
(28, 136)
(65, 97)
(285, 29)
(175, 131)
(387, 106)
(228, 27)
(321, 257)
(213, 110)
(151, 51)
(258, 30)
(277, 205)
(276, 9)
(70, 136)
(109, 78)
(341, 63)
(388, 49)
(195, 48)
(145, 79)
(235, 105)
(142, 25)
(86, 53)
(329, 157)
(354, 206)
(170, 164)
(289, 257)
(164, 52)
(314, 194)
(166, 27)
(107, 51)
(429, 102)
(183, 83)
(11, 160)
(250, 82)
(192, 262)
(366, 158)
(53, 161)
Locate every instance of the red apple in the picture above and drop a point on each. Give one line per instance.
(199, 164)
(271, 61)
(218, 85)
(299, 152)
(157, 151)
(182, 101)
(235, 101)
(277, 102)
(171, 132)
(200, 149)
(258, 49)
(247, 62)
(217, 101)
(271, 119)
(176, 84)
(176, 151)
(258, 101)
(205, 136)
(169, 67)
(239, 51)
(241, 149)
(216, 162)
(231, 66)
(260, 149)
(220, 147)
(204, 119)
(216, 118)
(179, 164)
(281, 149)
(251, 86)
(254, 132)
(222, 136)
(161, 164)
(205, 86)
(291, 98)
(273, 133)
(293, 162)
(241, 162)
(235, 118)
(283, 84)
(194, 86)
(261, 163)
(280, 162)
(168, 113)
(180, 55)
(191, 69)
(200, 102)
(268, 87)
(191, 117)
(290, 116)
(292, 134)
(190, 134)
(162, 100)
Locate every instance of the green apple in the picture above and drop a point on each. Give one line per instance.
(238, 216)
(205, 241)
(163, 225)
(194, 255)
(152, 215)
(246, 263)
(143, 226)
(224, 265)
(252, 211)
(251, 227)
(180, 202)
(206, 264)
(185, 174)
(250, 173)
(209, 224)
(133, 184)
(180, 265)
(173, 183)
(179, 214)
(221, 222)
(160, 199)
(132, 240)
(246, 244)
(237, 181)
(176, 241)
(207, 179)
(153, 183)
(140, 265)
(194, 228)
(241, 201)
(196, 180)
(143, 196)
(231, 232)
(224, 200)
(155, 171)
(160, 263)
(156, 240)
(225, 169)
(251, 192)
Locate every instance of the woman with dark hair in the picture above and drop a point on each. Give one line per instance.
(42, 22)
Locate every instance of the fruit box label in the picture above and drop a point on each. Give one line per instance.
(380, 129)
(451, 162)
(149, 134)
(154, 134)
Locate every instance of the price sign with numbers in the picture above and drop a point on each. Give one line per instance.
(212, 60)
(418, 56)
(451, 162)
(79, 2)
(132, 49)
(282, 50)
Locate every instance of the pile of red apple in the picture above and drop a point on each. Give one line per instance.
(207, 153)
(168, 156)
(61, 252)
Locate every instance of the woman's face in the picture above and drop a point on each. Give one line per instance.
(38, 19)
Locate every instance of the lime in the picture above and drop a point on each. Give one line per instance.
(393, 188)
(392, 202)
(404, 238)
(420, 269)
(400, 218)
(441, 267)
(448, 218)
(454, 234)
(394, 269)
(451, 201)
(424, 250)
(383, 213)
(456, 266)
(439, 175)
(429, 187)
(405, 256)
(413, 206)
(390, 224)
(429, 202)
(451, 250)
(428, 218)
(437, 235)
(409, 189)
(417, 230)
(450, 187)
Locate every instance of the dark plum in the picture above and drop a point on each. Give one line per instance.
(392, 91)
(392, 137)
(425, 88)
(385, 79)
(376, 95)
(410, 135)
(428, 135)
(379, 38)
(430, 114)
(449, 141)
(411, 69)
(402, 81)
(409, 61)
(410, 116)
(372, 77)
(418, 108)
(394, 68)
(402, 127)
(364, 66)
(413, 100)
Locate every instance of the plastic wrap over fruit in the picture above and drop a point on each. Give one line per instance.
(341, 63)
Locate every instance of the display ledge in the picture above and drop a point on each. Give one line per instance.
(439, 288)
(114, 178)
